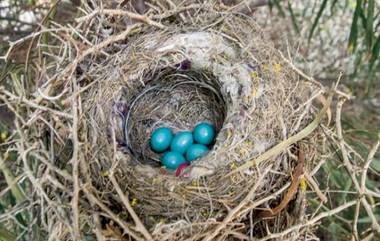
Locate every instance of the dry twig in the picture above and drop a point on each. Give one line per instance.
(139, 225)
(233, 213)
(118, 12)
(119, 221)
(75, 160)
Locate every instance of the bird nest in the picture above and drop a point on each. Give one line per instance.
(110, 81)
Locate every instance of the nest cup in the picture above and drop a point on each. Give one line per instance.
(217, 67)
(176, 98)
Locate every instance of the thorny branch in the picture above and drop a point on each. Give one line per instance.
(350, 168)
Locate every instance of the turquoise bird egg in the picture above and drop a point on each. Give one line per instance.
(196, 151)
(161, 139)
(181, 142)
(204, 133)
(171, 160)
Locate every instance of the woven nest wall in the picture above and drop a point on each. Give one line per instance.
(132, 78)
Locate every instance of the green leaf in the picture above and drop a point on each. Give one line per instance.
(368, 219)
(277, 4)
(333, 4)
(293, 17)
(363, 18)
(338, 176)
(347, 187)
(369, 26)
(270, 4)
(353, 38)
(336, 230)
(46, 23)
(376, 164)
(5, 70)
(333, 229)
(10, 179)
(31, 2)
(360, 130)
(377, 25)
(319, 14)
(371, 184)
(1, 208)
(340, 179)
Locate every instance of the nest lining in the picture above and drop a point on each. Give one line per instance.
(177, 99)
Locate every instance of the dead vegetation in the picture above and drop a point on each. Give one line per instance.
(69, 134)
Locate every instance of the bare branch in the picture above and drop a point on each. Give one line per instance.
(349, 166)
(118, 12)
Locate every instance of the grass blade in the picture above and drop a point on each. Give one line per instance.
(293, 17)
(332, 7)
(319, 14)
(10, 179)
(372, 62)
(277, 4)
(369, 26)
(353, 38)
(377, 25)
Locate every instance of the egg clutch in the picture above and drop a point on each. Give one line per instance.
(183, 147)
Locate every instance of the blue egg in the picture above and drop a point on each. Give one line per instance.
(171, 160)
(196, 151)
(204, 133)
(161, 139)
(181, 141)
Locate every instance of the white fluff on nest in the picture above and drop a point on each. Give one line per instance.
(210, 51)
